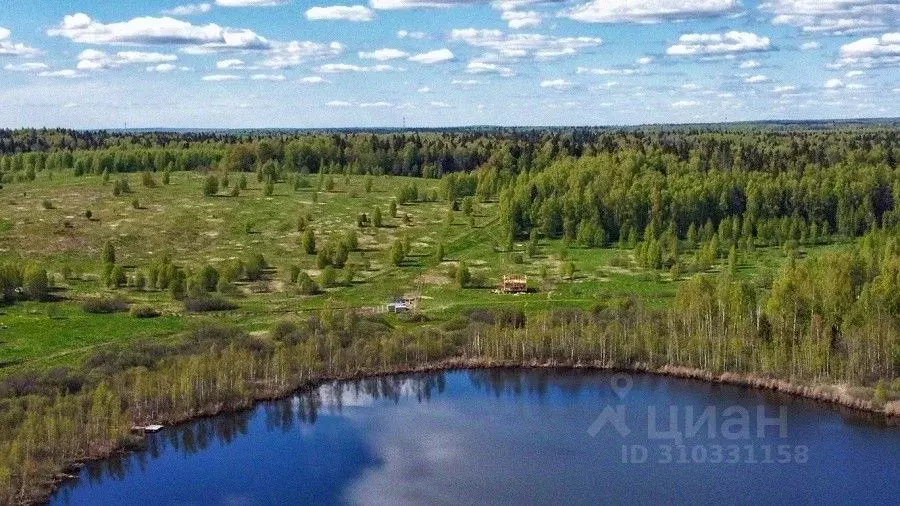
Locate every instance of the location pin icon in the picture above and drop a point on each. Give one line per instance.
(621, 384)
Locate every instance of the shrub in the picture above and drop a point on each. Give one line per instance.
(286, 331)
(117, 277)
(293, 274)
(104, 305)
(47, 204)
(147, 179)
(376, 217)
(207, 304)
(341, 253)
(309, 242)
(329, 277)
(306, 285)
(37, 284)
(88, 214)
(211, 186)
(109, 253)
(255, 266)
(143, 311)
(463, 276)
(352, 240)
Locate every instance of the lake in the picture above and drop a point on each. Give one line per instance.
(511, 436)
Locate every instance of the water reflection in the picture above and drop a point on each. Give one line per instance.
(425, 437)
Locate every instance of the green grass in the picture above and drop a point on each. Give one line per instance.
(195, 230)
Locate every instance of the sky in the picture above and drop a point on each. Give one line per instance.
(433, 63)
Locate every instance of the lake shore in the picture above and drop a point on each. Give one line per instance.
(834, 395)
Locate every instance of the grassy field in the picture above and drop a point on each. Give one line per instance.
(44, 221)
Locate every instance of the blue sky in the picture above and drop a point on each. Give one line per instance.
(328, 63)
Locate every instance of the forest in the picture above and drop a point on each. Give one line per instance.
(254, 264)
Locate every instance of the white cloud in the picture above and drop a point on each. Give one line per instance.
(424, 89)
(313, 80)
(521, 19)
(406, 34)
(65, 73)
(606, 71)
(732, 42)
(417, 4)
(649, 11)
(231, 63)
(338, 103)
(151, 30)
(834, 17)
(833, 84)
(92, 59)
(465, 82)
(8, 48)
(188, 10)
(250, 3)
(221, 77)
(295, 52)
(357, 13)
(441, 105)
(521, 45)
(267, 77)
(336, 68)
(366, 105)
(682, 104)
(784, 89)
(25, 67)
(871, 52)
(749, 64)
(383, 54)
(808, 46)
(758, 78)
(432, 57)
(166, 67)
(479, 67)
(556, 84)
(854, 73)
(646, 60)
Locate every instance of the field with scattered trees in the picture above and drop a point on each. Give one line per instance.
(153, 277)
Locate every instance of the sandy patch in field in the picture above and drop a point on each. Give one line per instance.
(433, 279)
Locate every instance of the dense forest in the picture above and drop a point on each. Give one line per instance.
(678, 200)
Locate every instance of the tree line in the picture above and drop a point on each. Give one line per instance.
(833, 319)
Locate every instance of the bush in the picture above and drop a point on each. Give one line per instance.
(329, 277)
(211, 186)
(47, 205)
(104, 305)
(143, 311)
(37, 284)
(309, 242)
(207, 304)
(255, 267)
(109, 253)
(306, 285)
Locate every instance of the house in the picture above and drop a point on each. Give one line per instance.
(398, 307)
(514, 284)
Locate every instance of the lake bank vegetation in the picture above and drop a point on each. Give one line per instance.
(156, 277)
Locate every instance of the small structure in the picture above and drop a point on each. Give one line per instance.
(398, 307)
(147, 428)
(514, 284)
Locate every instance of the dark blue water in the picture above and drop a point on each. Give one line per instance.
(511, 437)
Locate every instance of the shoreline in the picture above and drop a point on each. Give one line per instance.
(832, 396)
